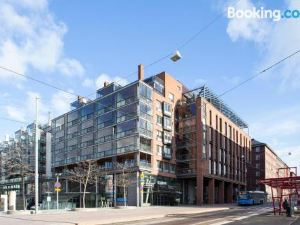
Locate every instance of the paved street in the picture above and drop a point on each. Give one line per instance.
(257, 215)
(105, 215)
(217, 215)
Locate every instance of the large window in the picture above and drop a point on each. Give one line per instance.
(105, 135)
(167, 137)
(145, 92)
(159, 120)
(167, 109)
(126, 113)
(146, 127)
(105, 120)
(126, 128)
(127, 95)
(58, 124)
(158, 106)
(145, 111)
(167, 123)
(72, 116)
(167, 152)
(127, 144)
(105, 104)
(87, 112)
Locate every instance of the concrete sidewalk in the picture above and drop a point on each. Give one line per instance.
(105, 215)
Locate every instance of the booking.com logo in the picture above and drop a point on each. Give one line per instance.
(261, 13)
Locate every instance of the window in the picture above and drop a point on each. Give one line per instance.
(126, 113)
(171, 97)
(126, 128)
(87, 130)
(146, 128)
(145, 92)
(158, 106)
(167, 137)
(105, 120)
(87, 112)
(127, 144)
(159, 120)
(257, 173)
(159, 165)
(159, 150)
(167, 109)
(159, 135)
(257, 149)
(127, 95)
(257, 157)
(105, 104)
(167, 123)
(167, 152)
(257, 165)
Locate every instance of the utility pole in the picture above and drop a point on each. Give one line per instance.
(36, 158)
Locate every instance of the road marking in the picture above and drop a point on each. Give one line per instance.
(207, 221)
(223, 222)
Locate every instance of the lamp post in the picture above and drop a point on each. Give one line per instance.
(36, 158)
(57, 186)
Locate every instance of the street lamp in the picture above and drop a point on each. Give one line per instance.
(36, 157)
(176, 56)
(57, 187)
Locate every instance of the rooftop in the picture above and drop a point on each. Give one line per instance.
(205, 92)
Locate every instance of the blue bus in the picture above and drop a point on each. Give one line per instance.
(252, 198)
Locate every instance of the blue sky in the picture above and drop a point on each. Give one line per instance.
(78, 45)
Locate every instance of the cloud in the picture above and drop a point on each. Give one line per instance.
(57, 105)
(88, 82)
(290, 155)
(232, 80)
(99, 81)
(247, 28)
(279, 129)
(274, 40)
(30, 37)
(281, 123)
(15, 113)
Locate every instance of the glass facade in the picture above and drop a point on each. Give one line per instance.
(118, 121)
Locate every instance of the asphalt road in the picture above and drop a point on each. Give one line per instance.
(256, 215)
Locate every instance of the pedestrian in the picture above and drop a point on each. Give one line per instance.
(287, 207)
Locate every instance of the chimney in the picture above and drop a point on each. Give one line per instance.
(105, 83)
(141, 72)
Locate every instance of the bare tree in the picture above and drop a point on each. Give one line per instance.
(125, 178)
(83, 173)
(16, 164)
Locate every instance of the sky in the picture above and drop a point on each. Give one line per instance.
(77, 45)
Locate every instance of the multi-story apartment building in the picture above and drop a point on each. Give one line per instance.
(24, 142)
(151, 127)
(132, 126)
(265, 164)
(212, 149)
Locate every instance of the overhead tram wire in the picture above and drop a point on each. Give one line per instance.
(263, 71)
(259, 73)
(180, 47)
(38, 81)
(12, 120)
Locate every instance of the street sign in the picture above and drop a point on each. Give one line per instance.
(142, 175)
(57, 185)
(48, 198)
(57, 189)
